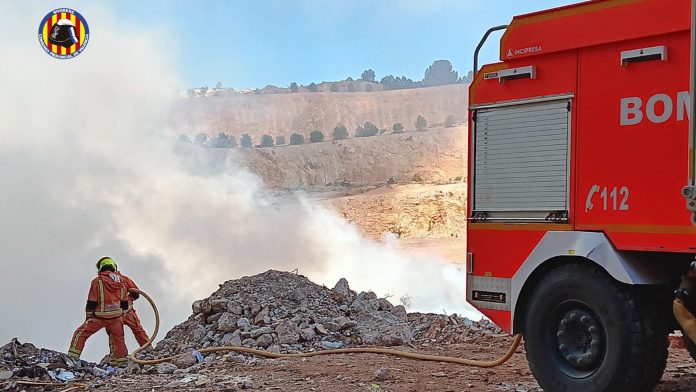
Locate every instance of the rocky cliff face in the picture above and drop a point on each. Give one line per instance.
(407, 211)
(282, 114)
(429, 156)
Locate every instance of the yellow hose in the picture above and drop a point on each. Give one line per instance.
(365, 350)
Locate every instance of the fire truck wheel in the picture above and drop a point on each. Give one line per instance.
(586, 332)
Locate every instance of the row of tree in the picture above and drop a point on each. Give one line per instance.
(439, 73)
(340, 132)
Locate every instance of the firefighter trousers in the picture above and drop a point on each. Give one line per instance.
(132, 320)
(114, 328)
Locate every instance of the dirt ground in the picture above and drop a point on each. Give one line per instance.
(357, 372)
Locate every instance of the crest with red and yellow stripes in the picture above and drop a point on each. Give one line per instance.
(63, 33)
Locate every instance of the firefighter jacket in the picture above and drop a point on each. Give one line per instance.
(107, 296)
(129, 284)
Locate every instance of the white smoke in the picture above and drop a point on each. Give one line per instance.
(88, 168)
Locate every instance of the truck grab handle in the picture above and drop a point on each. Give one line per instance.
(483, 41)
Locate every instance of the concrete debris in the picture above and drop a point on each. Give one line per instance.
(285, 312)
(382, 374)
(450, 329)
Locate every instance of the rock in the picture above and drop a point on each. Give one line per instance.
(321, 330)
(255, 333)
(185, 361)
(6, 375)
(332, 327)
(288, 332)
(213, 306)
(235, 308)
(244, 323)
(362, 306)
(385, 305)
(213, 318)
(197, 307)
(227, 322)
(382, 374)
(264, 340)
(165, 368)
(298, 295)
(326, 345)
(249, 342)
(307, 334)
(202, 380)
(235, 358)
(199, 333)
(342, 293)
(345, 323)
(255, 309)
(382, 328)
(262, 317)
(400, 312)
(231, 339)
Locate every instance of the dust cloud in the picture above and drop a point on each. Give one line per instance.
(89, 167)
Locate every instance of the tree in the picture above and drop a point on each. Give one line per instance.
(313, 88)
(245, 141)
(266, 141)
(296, 139)
(368, 75)
(201, 138)
(366, 130)
(316, 136)
(389, 82)
(368, 88)
(351, 87)
(340, 132)
(334, 87)
(450, 121)
(293, 87)
(421, 124)
(223, 140)
(280, 140)
(397, 128)
(440, 73)
(218, 85)
(185, 138)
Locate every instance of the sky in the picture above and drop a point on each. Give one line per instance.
(253, 43)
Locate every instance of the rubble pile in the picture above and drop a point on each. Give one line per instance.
(24, 361)
(285, 312)
(435, 328)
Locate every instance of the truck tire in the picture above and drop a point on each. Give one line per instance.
(586, 332)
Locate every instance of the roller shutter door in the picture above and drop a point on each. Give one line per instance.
(521, 158)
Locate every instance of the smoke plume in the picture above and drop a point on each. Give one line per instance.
(88, 168)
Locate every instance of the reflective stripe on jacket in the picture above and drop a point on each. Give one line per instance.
(107, 290)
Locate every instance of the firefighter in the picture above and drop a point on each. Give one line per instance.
(130, 317)
(106, 302)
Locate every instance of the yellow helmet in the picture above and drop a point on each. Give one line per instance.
(104, 261)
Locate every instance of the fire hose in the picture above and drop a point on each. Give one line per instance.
(362, 350)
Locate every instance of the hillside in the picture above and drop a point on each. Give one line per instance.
(434, 156)
(282, 114)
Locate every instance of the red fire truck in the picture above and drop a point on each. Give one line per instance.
(579, 150)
